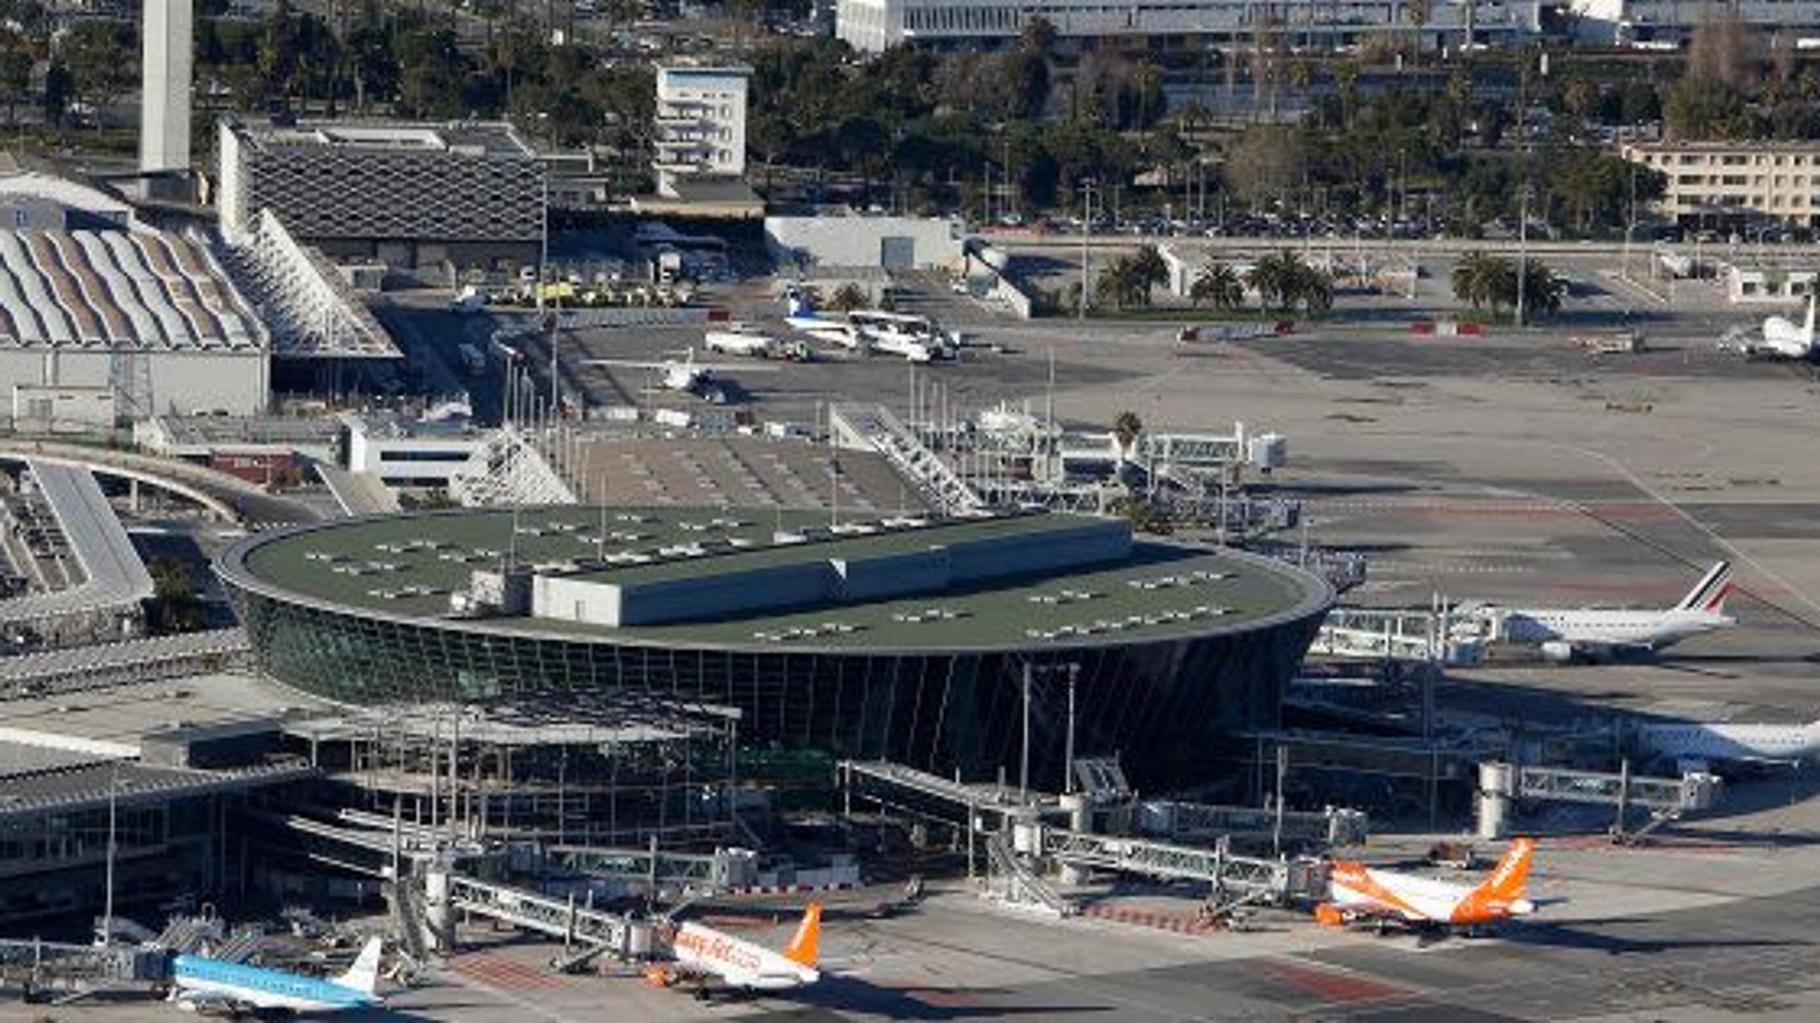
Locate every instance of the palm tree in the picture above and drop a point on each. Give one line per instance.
(847, 297)
(1219, 285)
(1479, 278)
(1125, 429)
(1274, 278)
(1543, 289)
(1148, 270)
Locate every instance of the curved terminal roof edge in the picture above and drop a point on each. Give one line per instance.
(1310, 594)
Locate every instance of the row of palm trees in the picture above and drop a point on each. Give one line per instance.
(1283, 280)
(1482, 279)
(1128, 280)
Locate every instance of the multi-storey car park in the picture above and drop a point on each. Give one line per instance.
(912, 640)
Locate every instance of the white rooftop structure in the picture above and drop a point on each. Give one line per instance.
(114, 577)
(137, 289)
(64, 192)
(308, 306)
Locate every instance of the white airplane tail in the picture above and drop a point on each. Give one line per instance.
(363, 975)
(1715, 586)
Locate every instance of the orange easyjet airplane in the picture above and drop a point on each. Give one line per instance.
(1357, 892)
(705, 954)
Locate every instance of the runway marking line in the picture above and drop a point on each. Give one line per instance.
(1334, 985)
(1180, 923)
(506, 973)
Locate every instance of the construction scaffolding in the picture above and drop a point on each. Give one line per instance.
(575, 775)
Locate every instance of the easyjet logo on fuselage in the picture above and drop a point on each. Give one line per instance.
(718, 948)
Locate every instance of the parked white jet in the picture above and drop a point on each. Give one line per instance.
(705, 954)
(688, 376)
(1780, 338)
(200, 984)
(1694, 744)
(1564, 634)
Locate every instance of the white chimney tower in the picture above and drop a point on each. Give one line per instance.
(164, 113)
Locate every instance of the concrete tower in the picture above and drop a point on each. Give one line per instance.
(164, 112)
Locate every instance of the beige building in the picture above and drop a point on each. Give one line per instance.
(1716, 181)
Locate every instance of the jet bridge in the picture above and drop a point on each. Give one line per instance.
(1398, 635)
(1666, 799)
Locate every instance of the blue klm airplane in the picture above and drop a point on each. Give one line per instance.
(201, 984)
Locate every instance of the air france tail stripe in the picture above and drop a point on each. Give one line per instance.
(1697, 598)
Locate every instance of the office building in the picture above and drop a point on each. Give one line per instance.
(873, 26)
(1723, 183)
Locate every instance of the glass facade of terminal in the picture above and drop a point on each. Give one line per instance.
(1165, 706)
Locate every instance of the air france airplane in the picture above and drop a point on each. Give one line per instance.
(1731, 742)
(1564, 634)
(202, 984)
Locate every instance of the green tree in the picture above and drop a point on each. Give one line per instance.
(1483, 280)
(1218, 285)
(847, 297)
(1126, 427)
(16, 62)
(1148, 270)
(101, 63)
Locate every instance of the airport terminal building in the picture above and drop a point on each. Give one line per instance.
(907, 640)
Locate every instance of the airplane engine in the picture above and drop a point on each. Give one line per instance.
(1329, 915)
(657, 976)
(1558, 652)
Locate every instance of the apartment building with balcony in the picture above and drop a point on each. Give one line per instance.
(701, 124)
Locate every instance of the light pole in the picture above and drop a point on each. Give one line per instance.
(1074, 671)
(1086, 231)
(1522, 250)
(113, 800)
(1023, 769)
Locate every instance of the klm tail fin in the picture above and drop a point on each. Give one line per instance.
(363, 976)
(805, 948)
(1710, 592)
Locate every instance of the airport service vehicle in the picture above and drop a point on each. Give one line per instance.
(1566, 634)
(705, 955)
(1695, 745)
(469, 300)
(1613, 342)
(201, 984)
(743, 339)
(1393, 898)
(1779, 338)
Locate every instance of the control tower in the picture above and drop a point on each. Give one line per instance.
(164, 114)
